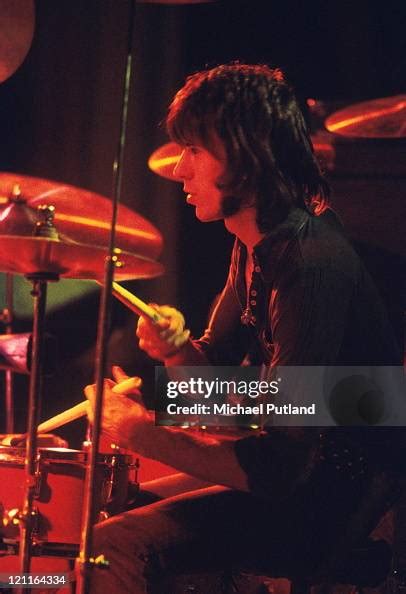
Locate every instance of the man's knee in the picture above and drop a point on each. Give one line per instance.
(130, 535)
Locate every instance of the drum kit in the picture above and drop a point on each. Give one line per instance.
(50, 230)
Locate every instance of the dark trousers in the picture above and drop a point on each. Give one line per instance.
(204, 530)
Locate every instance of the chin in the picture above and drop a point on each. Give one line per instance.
(207, 217)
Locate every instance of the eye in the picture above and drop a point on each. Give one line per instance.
(194, 150)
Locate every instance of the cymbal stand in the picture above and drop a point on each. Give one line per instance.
(7, 317)
(39, 293)
(85, 561)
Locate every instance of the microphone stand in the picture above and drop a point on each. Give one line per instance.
(85, 561)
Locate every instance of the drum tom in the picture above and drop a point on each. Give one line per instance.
(59, 493)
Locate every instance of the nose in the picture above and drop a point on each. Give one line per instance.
(182, 169)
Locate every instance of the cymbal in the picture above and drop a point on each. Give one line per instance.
(17, 18)
(33, 255)
(174, 1)
(13, 352)
(379, 118)
(82, 215)
(163, 159)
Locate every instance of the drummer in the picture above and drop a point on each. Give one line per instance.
(296, 295)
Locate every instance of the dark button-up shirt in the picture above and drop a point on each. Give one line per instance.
(311, 302)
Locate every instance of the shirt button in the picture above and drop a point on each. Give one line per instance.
(253, 302)
(254, 293)
(257, 269)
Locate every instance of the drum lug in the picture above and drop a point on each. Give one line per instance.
(108, 486)
(103, 515)
(12, 518)
(100, 562)
(37, 478)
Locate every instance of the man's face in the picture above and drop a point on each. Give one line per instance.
(200, 171)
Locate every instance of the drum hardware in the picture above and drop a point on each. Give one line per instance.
(85, 562)
(107, 490)
(7, 318)
(45, 440)
(41, 259)
(11, 521)
(55, 263)
(57, 512)
(44, 257)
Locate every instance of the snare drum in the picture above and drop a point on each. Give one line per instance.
(59, 492)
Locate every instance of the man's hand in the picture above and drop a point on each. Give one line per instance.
(124, 417)
(166, 338)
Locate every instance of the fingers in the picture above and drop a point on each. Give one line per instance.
(130, 385)
(167, 336)
(124, 385)
(122, 410)
(89, 392)
(118, 373)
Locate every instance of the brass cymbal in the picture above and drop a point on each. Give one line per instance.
(163, 160)
(17, 18)
(33, 255)
(379, 118)
(13, 352)
(81, 215)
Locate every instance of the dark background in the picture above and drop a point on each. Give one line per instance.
(59, 119)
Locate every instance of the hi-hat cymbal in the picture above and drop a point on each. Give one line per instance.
(17, 18)
(34, 255)
(379, 118)
(81, 215)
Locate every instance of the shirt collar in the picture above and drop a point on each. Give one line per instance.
(271, 248)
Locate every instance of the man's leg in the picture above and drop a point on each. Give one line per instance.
(204, 530)
(173, 484)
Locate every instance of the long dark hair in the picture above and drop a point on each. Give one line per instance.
(255, 114)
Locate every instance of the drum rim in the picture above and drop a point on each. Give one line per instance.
(14, 454)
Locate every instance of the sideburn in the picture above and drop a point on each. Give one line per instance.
(230, 205)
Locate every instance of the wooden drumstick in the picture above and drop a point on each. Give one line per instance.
(80, 410)
(135, 304)
(143, 309)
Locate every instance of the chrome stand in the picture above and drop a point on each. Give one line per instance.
(86, 563)
(26, 518)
